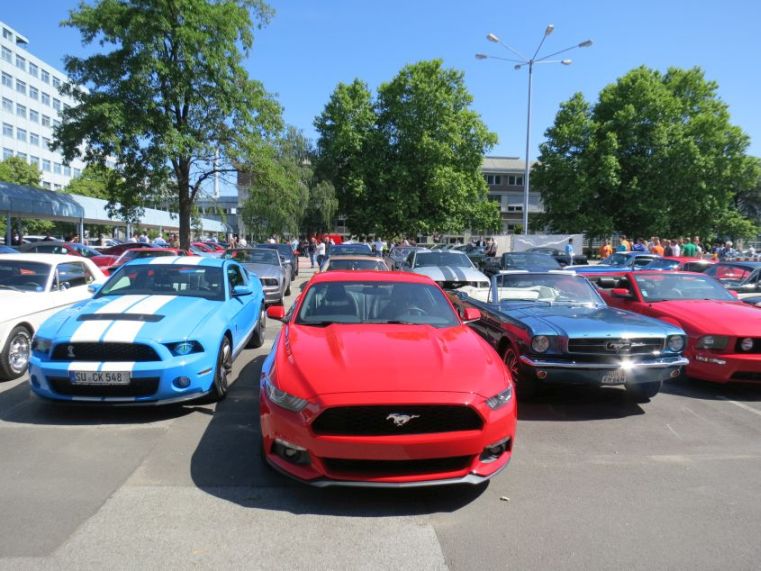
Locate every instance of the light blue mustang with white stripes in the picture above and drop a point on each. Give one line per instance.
(160, 330)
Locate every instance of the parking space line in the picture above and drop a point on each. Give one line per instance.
(742, 405)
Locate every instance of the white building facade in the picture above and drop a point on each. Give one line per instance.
(30, 108)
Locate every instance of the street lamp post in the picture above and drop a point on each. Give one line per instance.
(520, 64)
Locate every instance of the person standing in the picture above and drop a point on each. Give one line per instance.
(676, 251)
(605, 250)
(312, 250)
(689, 250)
(657, 249)
(379, 244)
(321, 248)
(491, 248)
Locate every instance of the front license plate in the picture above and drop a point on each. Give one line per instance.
(616, 377)
(99, 377)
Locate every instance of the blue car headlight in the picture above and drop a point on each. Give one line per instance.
(182, 348)
(42, 346)
(282, 398)
(500, 399)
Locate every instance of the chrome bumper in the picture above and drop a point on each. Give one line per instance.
(667, 362)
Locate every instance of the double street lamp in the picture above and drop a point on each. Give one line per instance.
(520, 64)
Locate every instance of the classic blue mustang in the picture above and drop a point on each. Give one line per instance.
(553, 327)
(160, 330)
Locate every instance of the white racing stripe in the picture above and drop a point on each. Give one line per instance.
(121, 303)
(92, 331)
(126, 331)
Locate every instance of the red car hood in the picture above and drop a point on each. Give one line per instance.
(714, 317)
(386, 358)
(104, 260)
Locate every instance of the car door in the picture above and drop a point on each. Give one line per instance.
(242, 309)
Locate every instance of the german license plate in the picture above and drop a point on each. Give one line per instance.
(99, 377)
(616, 377)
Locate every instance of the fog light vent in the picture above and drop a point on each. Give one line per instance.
(290, 452)
(492, 452)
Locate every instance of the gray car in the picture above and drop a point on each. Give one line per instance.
(449, 269)
(268, 266)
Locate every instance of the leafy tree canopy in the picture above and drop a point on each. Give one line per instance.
(18, 171)
(167, 96)
(410, 160)
(95, 181)
(656, 155)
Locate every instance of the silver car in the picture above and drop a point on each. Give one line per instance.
(450, 269)
(266, 265)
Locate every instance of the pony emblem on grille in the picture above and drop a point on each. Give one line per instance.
(400, 419)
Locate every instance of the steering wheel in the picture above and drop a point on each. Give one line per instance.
(415, 310)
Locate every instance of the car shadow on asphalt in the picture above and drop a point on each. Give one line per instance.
(19, 405)
(579, 403)
(704, 390)
(227, 465)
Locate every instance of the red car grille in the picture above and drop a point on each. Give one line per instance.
(104, 352)
(397, 467)
(136, 388)
(398, 419)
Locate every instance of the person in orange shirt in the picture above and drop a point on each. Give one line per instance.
(625, 243)
(605, 250)
(657, 248)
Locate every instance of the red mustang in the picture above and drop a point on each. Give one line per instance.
(374, 380)
(724, 334)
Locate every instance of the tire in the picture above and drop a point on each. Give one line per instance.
(287, 291)
(257, 337)
(643, 392)
(224, 366)
(14, 359)
(525, 388)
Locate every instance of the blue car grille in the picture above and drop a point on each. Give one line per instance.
(616, 346)
(98, 352)
(136, 388)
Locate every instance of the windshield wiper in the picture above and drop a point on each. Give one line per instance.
(318, 323)
(14, 288)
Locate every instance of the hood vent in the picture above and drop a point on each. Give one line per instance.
(120, 317)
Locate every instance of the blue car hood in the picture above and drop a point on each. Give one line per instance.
(588, 322)
(122, 319)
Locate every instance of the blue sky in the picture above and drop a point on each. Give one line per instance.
(311, 45)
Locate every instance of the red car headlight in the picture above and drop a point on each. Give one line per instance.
(282, 398)
(712, 342)
(500, 399)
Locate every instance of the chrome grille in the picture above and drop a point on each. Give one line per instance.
(616, 346)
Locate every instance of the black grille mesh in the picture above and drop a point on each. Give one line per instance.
(136, 388)
(379, 420)
(397, 467)
(104, 352)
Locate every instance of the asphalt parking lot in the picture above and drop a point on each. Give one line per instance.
(596, 482)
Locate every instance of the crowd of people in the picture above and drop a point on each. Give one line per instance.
(676, 248)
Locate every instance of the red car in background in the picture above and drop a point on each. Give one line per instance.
(137, 253)
(724, 334)
(336, 410)
(680, 264)
(119, 249)
(99, 258)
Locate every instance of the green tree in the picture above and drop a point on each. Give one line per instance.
(656, 155)
(18, 171)
(95, 181)
(321, 208)
(168, 98)
(410, 162)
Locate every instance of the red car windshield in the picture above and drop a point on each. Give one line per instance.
(376, 302)
(667, 287)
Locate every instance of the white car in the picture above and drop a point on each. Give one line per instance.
(450, 269)
(32, 288)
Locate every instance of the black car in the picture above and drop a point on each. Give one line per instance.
(521, 261)
(561, 257)
(286, 252)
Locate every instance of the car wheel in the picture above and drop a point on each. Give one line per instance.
(257, 337)
(221, 373)
(526, 389)
(643, 392)
(288, 289)
(15, 357)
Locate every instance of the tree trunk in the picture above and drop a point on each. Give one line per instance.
(186, 210)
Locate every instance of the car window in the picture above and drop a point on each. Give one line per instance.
(678, 286)
(24, 276)
(440, 259)
(73, 274)
(642, 261)
(166, 279)
(235, 277)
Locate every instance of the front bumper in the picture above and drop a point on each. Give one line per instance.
(725, 368)
(272, 295)
(150, 382)
(325, 451)
(585, 373)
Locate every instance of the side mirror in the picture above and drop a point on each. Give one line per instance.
(242, 290)
(276, 312)
(471, 315)
(622, 293)
(94, 288)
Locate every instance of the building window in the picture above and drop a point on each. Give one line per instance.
(511, 180)
(56, 187)
(20, 86)
(34, 161)
(515, 208)
(44, 76)
(490, 179)
(56, 83)
(7, 55)
(77, 172)
(66, 171)
(7, 105)
(45, 121)
(21, 110)
(20, 62)
(56, 122)
(46, 185)
(7, 130)
(22, 156)
(45, 99)
(7, 34)
(57, 168)
(7, 80)
(33, 69)
(57, 104)
(34, 139)
(34, 117)
(34, 93)
(46, 142)
(21, 135)
(497, 179)
(46, 166)
(7, 153)
(519, 180)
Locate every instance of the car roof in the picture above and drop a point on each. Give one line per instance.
(753, 265)
(179, 260)
(371, 276)
(44, 258)
(350, 258)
